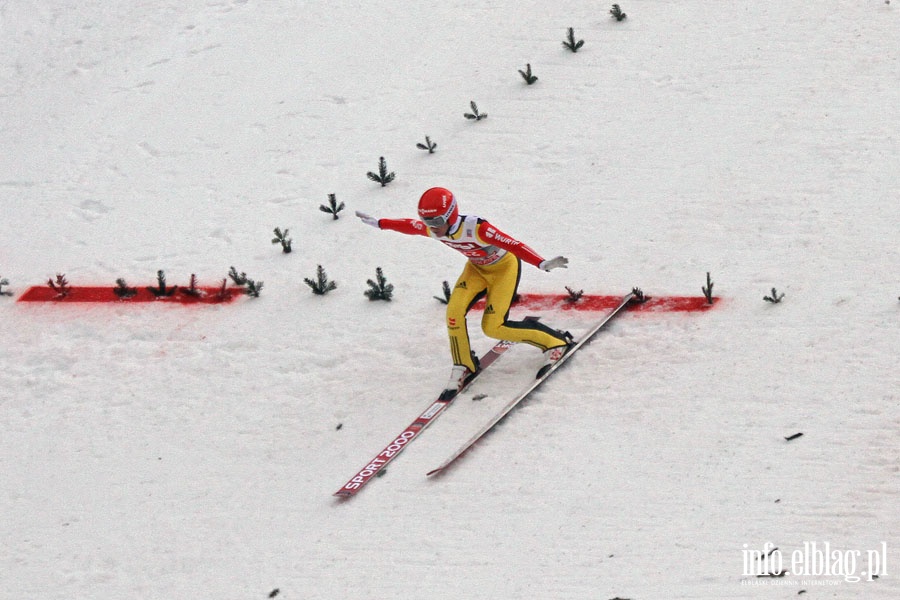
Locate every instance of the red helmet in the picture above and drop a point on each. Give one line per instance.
(437, 207)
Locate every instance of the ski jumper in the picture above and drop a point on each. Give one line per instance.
(492, 272)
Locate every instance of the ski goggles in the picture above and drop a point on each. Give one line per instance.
(438, 221)
(441, 220)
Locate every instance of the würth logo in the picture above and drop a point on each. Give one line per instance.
(493, 234)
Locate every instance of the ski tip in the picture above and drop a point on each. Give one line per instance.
(434, 471)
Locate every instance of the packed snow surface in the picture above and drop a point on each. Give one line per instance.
(163, 451)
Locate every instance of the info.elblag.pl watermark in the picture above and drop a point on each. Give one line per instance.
(814, 563)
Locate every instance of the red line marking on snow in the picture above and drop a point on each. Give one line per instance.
(601, 303)
(207, 295)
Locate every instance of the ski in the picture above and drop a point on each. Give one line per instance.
(374, 466)
(634, 295)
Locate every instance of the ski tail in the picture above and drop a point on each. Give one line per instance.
(635, 295)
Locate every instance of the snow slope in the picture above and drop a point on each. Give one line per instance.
(159, 451)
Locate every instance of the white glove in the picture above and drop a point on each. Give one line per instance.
(368, 220)
(554, 263)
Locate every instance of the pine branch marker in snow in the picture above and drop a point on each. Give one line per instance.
(281, 237)
(617, 13)
(707, 291)
(447, 292)
(238, 279)
(639, 296)
(222, 294)
(333, 207)
(573, 296)
(570, 42)
(380, 289)
(60, 286)
(527, 76)
(428, 145)
(192, 290)
(775, 298)
(774, 574)
(382, 177)
(251, 288)
(4, 281)
(474, 115)
(161, 291)
(321, 285)
(123, 291)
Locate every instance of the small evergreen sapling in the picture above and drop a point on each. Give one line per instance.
(281, 237)
(321, 285)
(617, 13)
(775, 298)
(707, 290)
(447, 292)
(161, 291)
(474, 115)
(333, 207)
(428, 145)
(380, 289)
(122, 291)
(382, 177)
(251, 288)
(4, 281)
(60, 286)
(526, 74)
(570, 42)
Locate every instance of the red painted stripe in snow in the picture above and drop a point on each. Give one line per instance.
(601, 303)
(207, 295)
